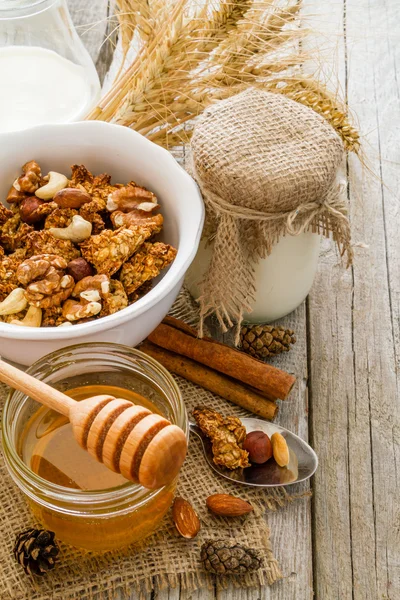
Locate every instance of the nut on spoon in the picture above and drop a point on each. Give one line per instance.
(129, 439)
(303, 461)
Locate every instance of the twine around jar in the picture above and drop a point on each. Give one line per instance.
(266, 167)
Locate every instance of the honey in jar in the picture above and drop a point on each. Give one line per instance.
(84, 503)
(49, 448)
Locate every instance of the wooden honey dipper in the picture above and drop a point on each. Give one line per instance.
(129, 439)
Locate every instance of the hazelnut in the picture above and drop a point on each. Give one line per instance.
(79, 268)
(28, 210)
(259, 447)
(71, 198)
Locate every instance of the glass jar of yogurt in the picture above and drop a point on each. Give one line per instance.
(282, 280)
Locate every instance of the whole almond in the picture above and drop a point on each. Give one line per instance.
(185, 518)
(226, 505)
(71, 198)
(280, 449)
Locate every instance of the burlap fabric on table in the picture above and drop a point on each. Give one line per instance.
(266, 166)
(166, 559)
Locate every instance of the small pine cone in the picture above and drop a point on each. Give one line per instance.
(36, 550)
(263, 341)
(224, 557)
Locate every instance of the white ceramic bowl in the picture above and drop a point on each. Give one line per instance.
(126, 155)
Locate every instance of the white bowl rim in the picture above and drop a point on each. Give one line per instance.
(163, 287)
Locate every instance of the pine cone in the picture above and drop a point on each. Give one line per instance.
(36, 551)
(224, 557)
(263, 341)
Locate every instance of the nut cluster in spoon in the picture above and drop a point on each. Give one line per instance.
(233, 448)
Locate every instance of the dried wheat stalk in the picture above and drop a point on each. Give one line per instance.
(195, 52)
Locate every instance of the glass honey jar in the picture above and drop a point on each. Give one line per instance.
(84, 503)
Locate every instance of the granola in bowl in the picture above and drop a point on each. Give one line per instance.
(77, 249)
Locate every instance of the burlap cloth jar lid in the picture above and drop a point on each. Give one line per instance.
(266, 166)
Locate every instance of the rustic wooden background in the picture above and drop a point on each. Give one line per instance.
(344, 543)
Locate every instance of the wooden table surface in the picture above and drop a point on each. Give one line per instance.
(344, 543)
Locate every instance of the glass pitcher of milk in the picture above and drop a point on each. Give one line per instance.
(46, 74)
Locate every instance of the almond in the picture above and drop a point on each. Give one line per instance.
(280, 449)
(71, 198)
(185, 518)
(226, 505)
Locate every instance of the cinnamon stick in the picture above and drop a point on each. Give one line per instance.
(178, 324)
(211, 380)
(273, 383)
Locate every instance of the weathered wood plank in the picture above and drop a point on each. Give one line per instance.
(331, 387)
(376, 410)
(353, 368)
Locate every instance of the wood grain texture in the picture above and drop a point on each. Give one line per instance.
(354, 392)
(374, 424)
(331, 371)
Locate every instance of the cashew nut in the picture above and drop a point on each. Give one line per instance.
(57, 182)
(14, 303)
(77, 231)
(33, 318)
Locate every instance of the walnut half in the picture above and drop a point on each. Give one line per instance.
(47, 285)
(75, 311)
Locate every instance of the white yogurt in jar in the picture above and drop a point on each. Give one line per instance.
(283, 279)
(39, 86)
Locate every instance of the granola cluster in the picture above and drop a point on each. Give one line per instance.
(78, 249)
(227, 435)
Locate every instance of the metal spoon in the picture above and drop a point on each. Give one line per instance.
(303, 461)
